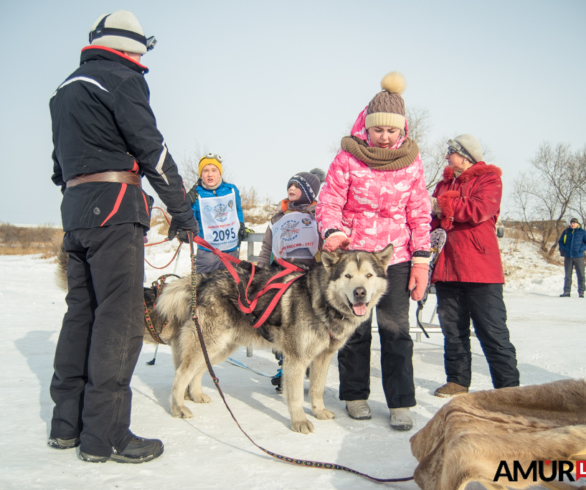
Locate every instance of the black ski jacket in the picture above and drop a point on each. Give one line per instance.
(102, 121)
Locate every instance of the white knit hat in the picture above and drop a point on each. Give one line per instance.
(467, 146)
(120, 31)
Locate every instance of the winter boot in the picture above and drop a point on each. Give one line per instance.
(359, 410)
(565, 295)
(450, 389)
(57, 443)
(139, 450)
(277, 380)
(401, 419)
(581, 295)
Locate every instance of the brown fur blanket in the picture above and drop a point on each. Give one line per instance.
(468, 437)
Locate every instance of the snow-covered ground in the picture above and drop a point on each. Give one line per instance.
(208, 451)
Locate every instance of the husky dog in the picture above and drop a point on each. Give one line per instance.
(311, 322)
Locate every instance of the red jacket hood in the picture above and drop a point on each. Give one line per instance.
(479, 168)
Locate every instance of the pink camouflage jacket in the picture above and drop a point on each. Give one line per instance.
(373, 207)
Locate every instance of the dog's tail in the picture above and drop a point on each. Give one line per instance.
(176, 300)
(61, 272)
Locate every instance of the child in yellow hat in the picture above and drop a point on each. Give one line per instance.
(217, 208)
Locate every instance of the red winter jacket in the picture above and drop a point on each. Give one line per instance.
(470, 208)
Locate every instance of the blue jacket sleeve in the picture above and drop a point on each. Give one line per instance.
(197, 214)
(583, 247)
(238, 205)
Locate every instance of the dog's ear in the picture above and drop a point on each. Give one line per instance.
(385, 255)
(330, 259)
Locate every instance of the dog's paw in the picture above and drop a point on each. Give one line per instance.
(303, 426)
(201, 398)
(181, 412)
(324, 414)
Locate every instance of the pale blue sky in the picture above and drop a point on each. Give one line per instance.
(272, 85)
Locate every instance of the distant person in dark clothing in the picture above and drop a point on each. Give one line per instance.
(105, 139)
(572, 246)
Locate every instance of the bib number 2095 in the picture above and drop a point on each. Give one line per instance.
(221, 235)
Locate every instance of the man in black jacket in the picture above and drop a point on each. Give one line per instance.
(105, 139)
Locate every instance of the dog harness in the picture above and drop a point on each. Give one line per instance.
(245, 304)
(157, 287)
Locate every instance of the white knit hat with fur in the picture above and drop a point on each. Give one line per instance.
(125, 21)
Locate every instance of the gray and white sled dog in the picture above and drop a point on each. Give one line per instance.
(311, 322)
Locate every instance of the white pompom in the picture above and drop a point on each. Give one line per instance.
(394, 83)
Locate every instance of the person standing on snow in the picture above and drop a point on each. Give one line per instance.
(572, 246)
(218, 211)
(468, 274)
(374, 195)
(105, 138)
(304, 245)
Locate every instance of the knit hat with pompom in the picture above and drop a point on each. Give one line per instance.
(309, 183)
(387, 108)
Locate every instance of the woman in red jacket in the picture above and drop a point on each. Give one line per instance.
(468, 275)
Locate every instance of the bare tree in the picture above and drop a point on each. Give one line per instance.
(189, 165)
(578, 205)
(432, 154)
(544, 195)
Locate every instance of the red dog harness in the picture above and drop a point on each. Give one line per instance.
(249, 305)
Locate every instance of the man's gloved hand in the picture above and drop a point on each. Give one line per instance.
(418, 280)
(192, 194)
(336, 240)
(242, 232)
(178, 229)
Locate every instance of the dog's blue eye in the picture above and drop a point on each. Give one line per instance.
(348, 276)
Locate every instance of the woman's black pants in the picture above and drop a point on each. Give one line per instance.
(460, 302)
(396, 347)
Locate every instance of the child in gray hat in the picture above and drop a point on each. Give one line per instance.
(292, 233)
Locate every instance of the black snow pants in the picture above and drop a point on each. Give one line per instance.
(569, 264)
(458, 302)
(207, 262)
(101, 337)
(396, 347)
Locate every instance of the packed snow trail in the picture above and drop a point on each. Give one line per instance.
(208, 451)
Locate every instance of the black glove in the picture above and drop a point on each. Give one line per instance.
(242, 232)
(179, 230)
(192, 194)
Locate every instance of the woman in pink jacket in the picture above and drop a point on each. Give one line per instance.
(375, 194)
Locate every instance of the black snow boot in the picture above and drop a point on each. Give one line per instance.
(565, 295)
(139, 450)
(58, 443)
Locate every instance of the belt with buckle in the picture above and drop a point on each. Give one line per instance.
(120, 177)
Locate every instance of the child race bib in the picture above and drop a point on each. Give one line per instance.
(295, 236)
(219, 221)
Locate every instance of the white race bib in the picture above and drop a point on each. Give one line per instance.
(295, 236)
(219, 221)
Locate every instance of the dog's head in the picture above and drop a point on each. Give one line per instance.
(356, 279)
